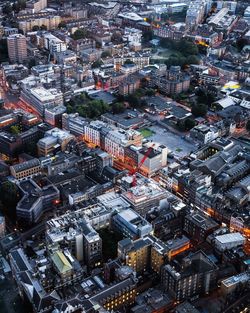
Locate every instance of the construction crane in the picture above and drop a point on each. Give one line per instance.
(136, 169)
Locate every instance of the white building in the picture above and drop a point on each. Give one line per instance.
(40, 98)
(229, 241)
(54, 44)
(195, 13)
(92, 132)
(133, 37)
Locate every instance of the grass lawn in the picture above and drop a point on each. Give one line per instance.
(146, 132)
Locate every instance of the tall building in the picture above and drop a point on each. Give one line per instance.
(2, 226)
(17, 48)
(196, 275)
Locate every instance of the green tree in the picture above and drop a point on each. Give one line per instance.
(80, 33)
(118, 107)
(15, 129)
(105, 54)
(189, 123)
(97, 64)
(128, 61)
(62, 25)
(199, 109)
(69, 109)
(150, 92)
(3, 50)
(7, 8)
(35, 28)
(9, 196)
(241, 43)
(248, 125)
(205, 95)
(43, 27)
(147, 35)
(133, 101)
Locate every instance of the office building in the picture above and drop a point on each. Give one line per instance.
(229, 285)
(2, 226)
(40, 98)
(35, 200)
(25, 169)
(17, 48)
(229, 241)
(195, 276)
(144, 196)
(53, 115)
(174, 81)
(135, 253)
(73, 231)
(74, 123)
(54, 140)
(130, 224)
(198, 226)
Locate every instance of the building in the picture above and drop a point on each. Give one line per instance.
(195, 276)
(17, 48)
(174, 81)
(144, 196)
(204, 133)
(25, 169)
(35, 200)
(10, 145)
(152, 301)
(117, 295)
(40, 98)
(2, 226)
(72, 230)
(135, 253)
(126, 120)
(54, 140)
(131, 224)
(35, 6)
(74, 123)
(195, 13)
(229, 241)
(133, 37)
(198, 226)
(49, 20)
(53, 44)
(230, 284)
(53, 115)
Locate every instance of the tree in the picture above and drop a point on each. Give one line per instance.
(3, 50)
(248, 125)
(147, 35)
(35, 28)
(133, 101)
(80, 33)
(43, 27)
(205, 95)
(96, 64)
(199, 110)
(116, 37)
(15, 129)
(189, 123)
(241, 43)
(105, 54)
(128, 61)
(7, 9)
(9, 196)
(62, 25)
(150, 92)
(118, 107)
